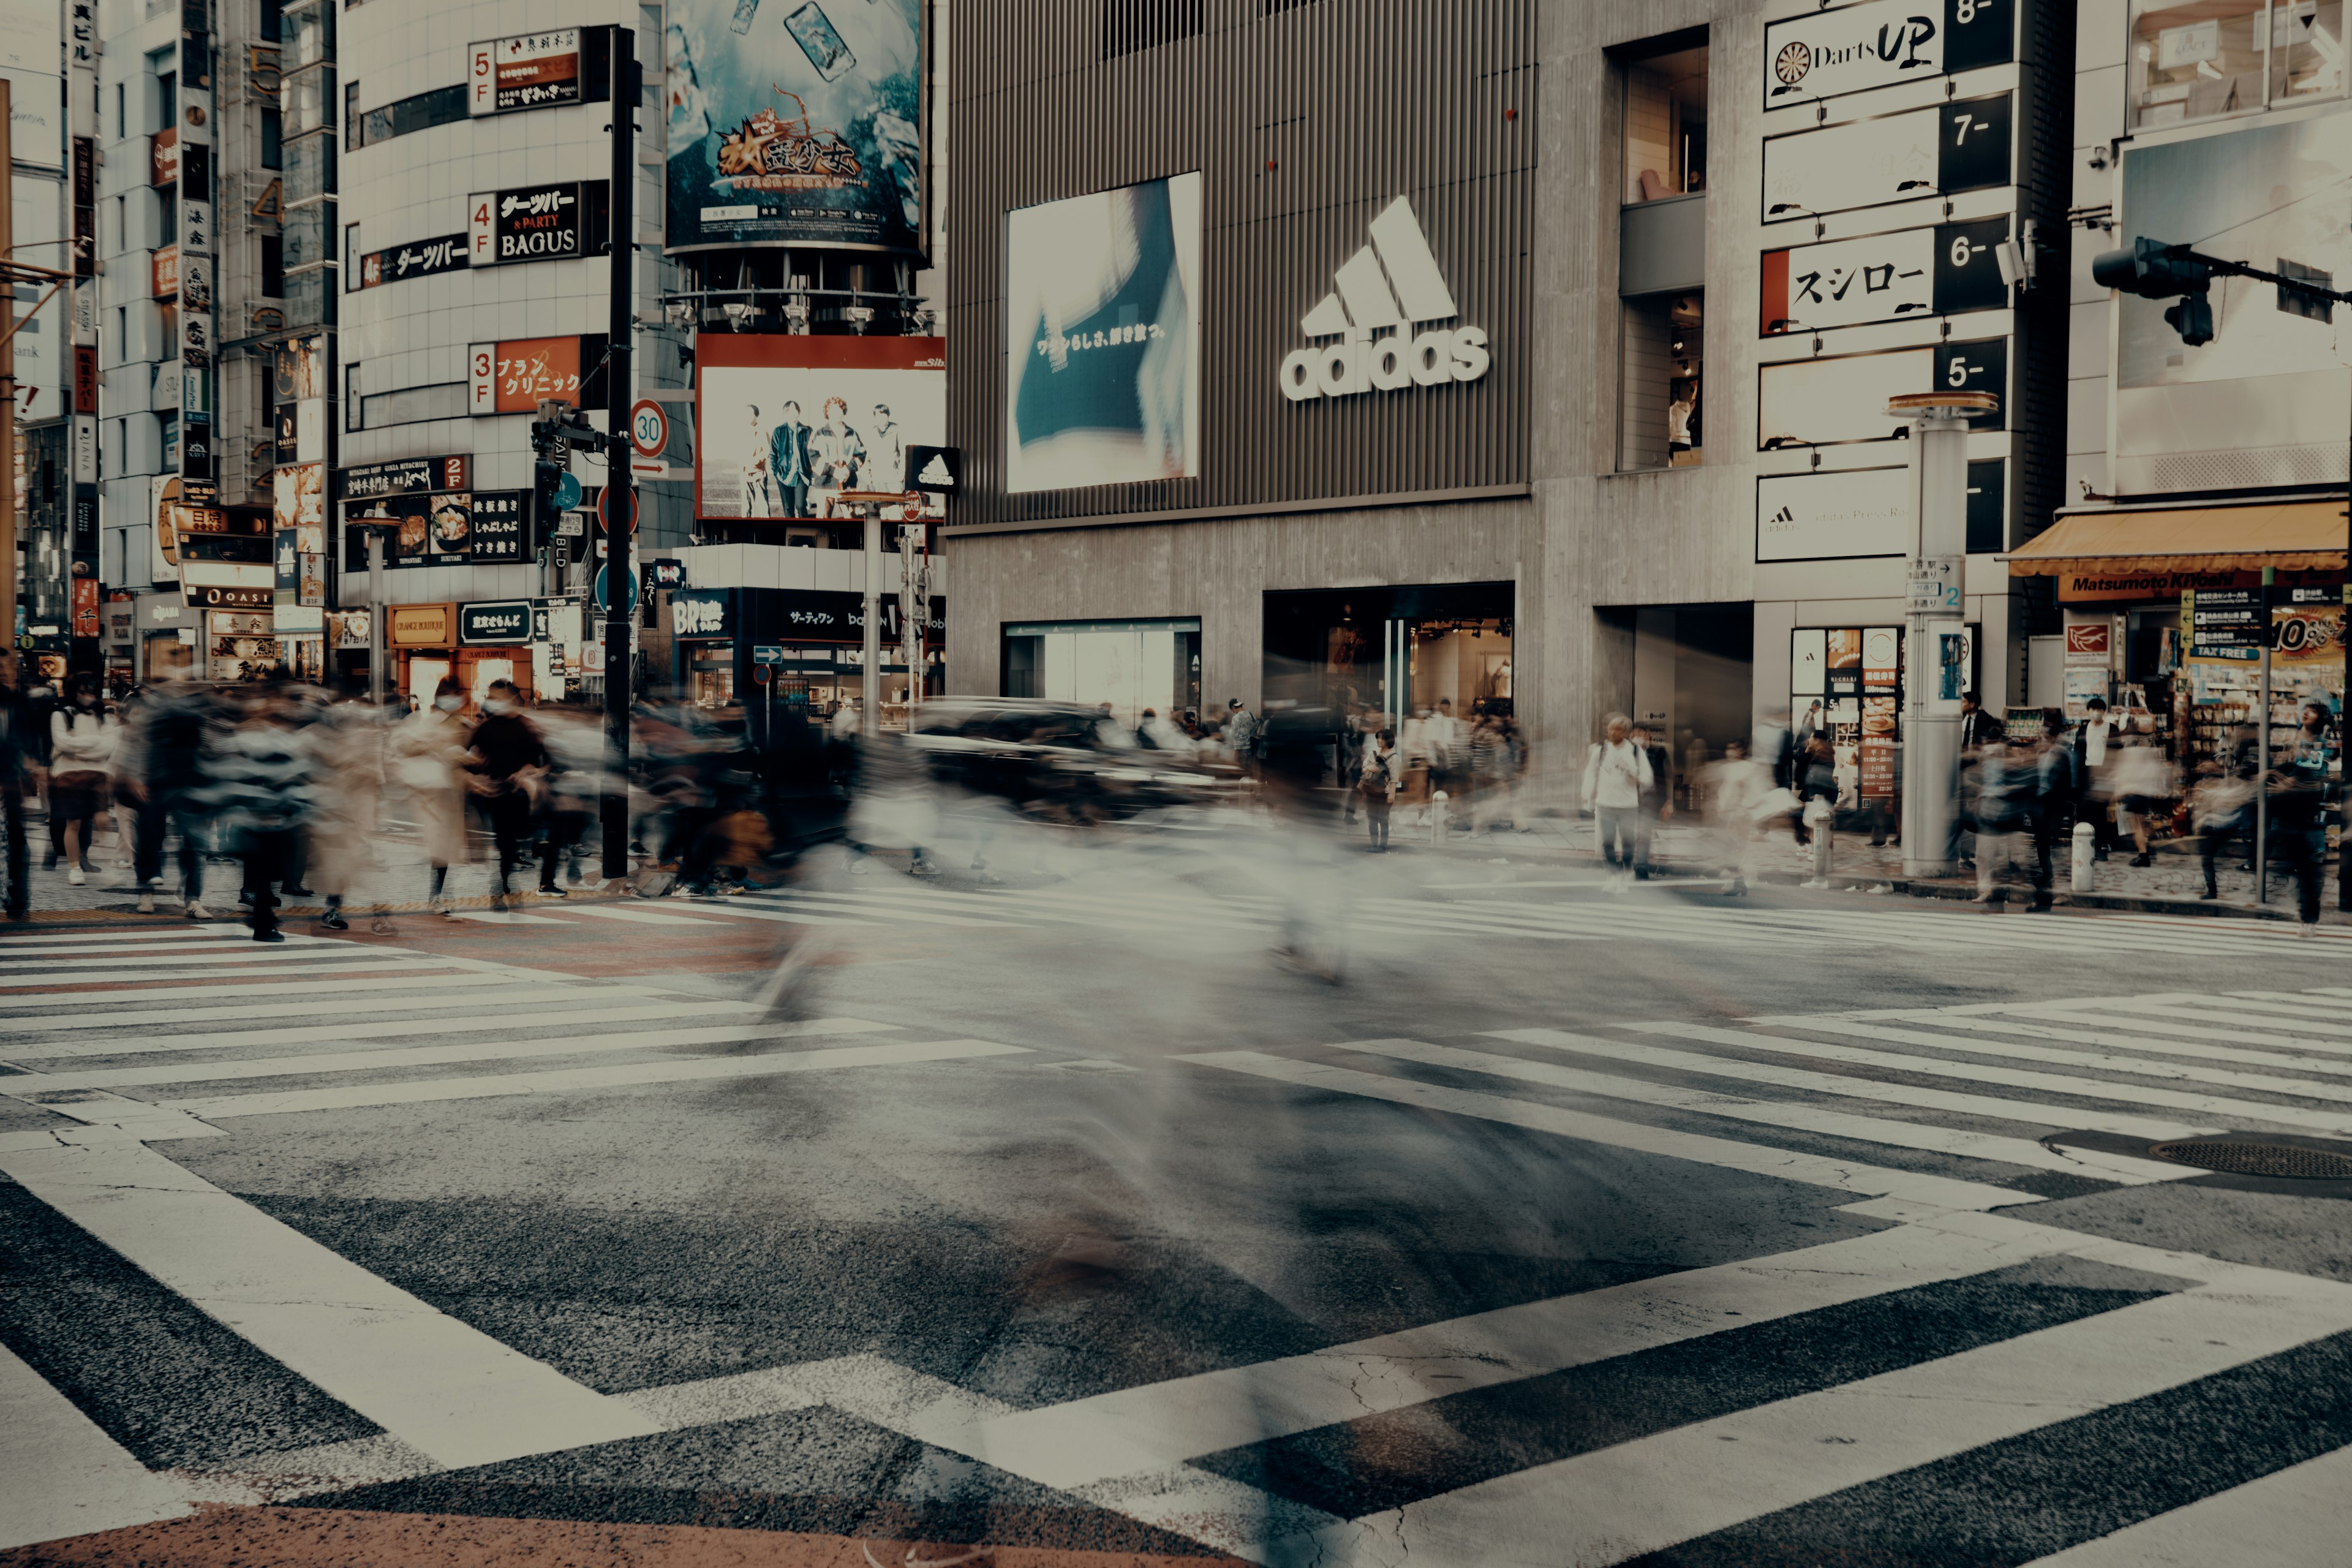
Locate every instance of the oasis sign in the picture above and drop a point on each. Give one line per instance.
(1379, 296)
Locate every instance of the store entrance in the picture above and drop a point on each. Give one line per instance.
(1684, 672)
(1397, 650)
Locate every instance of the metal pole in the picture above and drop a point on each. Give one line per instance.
(1931, 727)
(620, 492)
(2262, 757)
(375, 615)
(870, 690)
(7, 389)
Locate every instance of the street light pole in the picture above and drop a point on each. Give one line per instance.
(1932, 611)
(620, 491)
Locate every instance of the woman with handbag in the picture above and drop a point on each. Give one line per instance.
(81, 746)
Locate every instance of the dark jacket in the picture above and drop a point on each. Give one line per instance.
(787, 442)
(1978, 729)
(503, 745)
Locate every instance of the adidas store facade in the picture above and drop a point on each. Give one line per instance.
(1302, 358)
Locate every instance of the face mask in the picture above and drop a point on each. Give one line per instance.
(448, 704)
(499, 705)
(86, 700)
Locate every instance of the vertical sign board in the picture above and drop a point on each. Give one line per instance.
(1921, 153)
(1853, 48)
(199, 471)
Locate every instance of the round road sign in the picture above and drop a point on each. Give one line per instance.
(567, 493)
(604, 499)
(648, 427)
(603, 575)
(762, 673)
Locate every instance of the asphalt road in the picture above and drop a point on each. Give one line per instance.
(1512, 1218)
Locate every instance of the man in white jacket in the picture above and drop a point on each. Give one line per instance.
(1616, 771)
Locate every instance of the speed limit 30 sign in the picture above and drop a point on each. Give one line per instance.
(648, 428)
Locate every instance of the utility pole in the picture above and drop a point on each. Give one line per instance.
(620, 488)
(375, 615)
(7, 378)
(1932, 612)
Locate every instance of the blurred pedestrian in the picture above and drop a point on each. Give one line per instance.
(16, 766)
(2298, 788)
(168, 738)
(1657, 800)
(2143, 784)
(2058, 785)
(1737, 790)
(348, 747)
(2003, 783)
(2222, 803)
(2097, 742)
(260, 785)
(509, 762)
(1817, 794)
(1485, 752)
(1377, 783)
(427, 752)
(1616, 771)
(81, 751)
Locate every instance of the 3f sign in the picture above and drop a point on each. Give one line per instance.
(1380, 294)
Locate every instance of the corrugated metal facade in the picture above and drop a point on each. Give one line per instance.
(1304, 119)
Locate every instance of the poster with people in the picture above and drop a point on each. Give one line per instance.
(794, 122)
(786, 424)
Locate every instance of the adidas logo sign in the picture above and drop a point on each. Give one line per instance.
(935, 475)
(1381, 293)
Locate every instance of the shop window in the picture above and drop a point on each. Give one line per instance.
(1660, 369)
(2201, 59)
(1665, 120)
(1130, 665)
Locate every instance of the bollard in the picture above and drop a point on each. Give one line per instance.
(2087, 855)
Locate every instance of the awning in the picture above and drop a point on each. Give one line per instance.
(2297, 536)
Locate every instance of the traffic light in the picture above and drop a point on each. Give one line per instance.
(546, 474)
(2155, 270)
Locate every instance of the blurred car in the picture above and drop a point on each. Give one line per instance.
(1062, 760)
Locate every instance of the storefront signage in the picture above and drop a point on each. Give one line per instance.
(1834, 514)
(701, 613)
(1856, 47)
(2224, 622)
(501, 621)
(1894, 158)
(515, 377)
(817, 615)
(423, 258)
(419, 625)
(1379, 295)
(668, 571)
(1933, 587)
(502, 524)
(533, 223)
(1916, 272)
(2090, 642)
(402, 475)
(534, 71)
(2124, 586)
(163, 273)
(163, 157)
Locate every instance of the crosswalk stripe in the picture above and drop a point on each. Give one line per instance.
(424, 1055)
(492, 997)
(16, 1014)
(567, 1080)
(1990, 1023)
(288, 951)
(2303, 1088)
(628, 916)
(504, 918)
(1654, 1492)
(143, 936)
(206, 943)
(1844, 1175)
(734, 909)
(435, 1383)
(2176, 1026)
(1802, 1118)
(392, 962)
(2291, 1518)
(2229, 1110)
(65, 1476)
(829, 903)
(1888, 1093)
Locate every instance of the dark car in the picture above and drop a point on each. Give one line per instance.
(1060, 760)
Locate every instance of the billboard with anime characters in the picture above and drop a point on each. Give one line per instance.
(794, 122)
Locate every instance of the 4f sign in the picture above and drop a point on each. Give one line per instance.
(648, 428)
(1380, 295)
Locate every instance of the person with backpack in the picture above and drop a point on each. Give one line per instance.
(1616, 775)
(1378, 777)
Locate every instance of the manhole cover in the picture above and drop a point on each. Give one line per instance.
(2259, 1159)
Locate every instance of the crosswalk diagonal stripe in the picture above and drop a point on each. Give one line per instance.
(65, 1476)
(2291, 1518)
(2336, 1060)
(1781, 1164)
(2181, 1023)
(1886, 1092)
(570, 1080)
(2183, 1072)
(2229, 1110)
(1800, 1118)
(438, 1055)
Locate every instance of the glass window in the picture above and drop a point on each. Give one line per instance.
(273, 266)
(1660, 371)
(1665, 125)
(308, 233)
(307, 33)
(309, 100)
(2307, 51)
(2193, 60)
(309, 168)
(272, 152)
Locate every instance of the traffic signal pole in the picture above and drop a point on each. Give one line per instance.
(620, 494)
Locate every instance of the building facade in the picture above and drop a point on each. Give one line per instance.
(1539, 363)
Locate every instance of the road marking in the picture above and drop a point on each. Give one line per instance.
(438, 1385)
(1846, 1175)
(64, 1476)
(2023, 1152)
(246, 953)
(342, 1010)
(504, 918)
(1886, 1093)
(421, 1056)
(1653, 1492)
(1991, 1024)
(84, 1001)
(2229, 1112)
(310, 1033)
(2289, 1518)
(403, 961)
(634, 917)
(871, 905)
(153, 933)
(571, 1079)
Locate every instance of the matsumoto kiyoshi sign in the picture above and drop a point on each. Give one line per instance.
(1851, 49)
(1380, 296)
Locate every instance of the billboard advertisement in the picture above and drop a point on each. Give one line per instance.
(2266, 401)
(1102, 338)
(786, 424)
(794, 122)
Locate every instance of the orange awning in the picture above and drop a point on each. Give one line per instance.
(2296, 536)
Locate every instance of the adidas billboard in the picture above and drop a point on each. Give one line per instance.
(1380, 296)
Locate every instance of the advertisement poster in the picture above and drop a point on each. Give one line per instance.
(1102, 321)
(794, 122)
(788, 423)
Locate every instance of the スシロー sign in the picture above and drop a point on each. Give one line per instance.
(1853, 48)
(499, 621)
(532, 70)
(555, 222)
(1915, 272)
